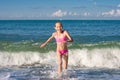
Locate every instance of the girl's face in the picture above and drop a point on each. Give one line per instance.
(58, 27)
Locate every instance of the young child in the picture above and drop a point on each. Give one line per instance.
(62, 37)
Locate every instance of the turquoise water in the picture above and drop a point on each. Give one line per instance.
(29, 34)
(94, 54)
(84, 31)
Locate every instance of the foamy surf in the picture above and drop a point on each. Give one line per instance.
(4, 76)
(99, 58)
(65, 75)
(25, 58)
(48, 73)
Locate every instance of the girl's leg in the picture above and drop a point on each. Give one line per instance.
(59, 56)
(65, 61)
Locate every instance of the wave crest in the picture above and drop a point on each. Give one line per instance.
(101, 58)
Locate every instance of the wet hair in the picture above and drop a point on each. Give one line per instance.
(59, 23)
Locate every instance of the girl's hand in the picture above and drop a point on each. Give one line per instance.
(43, 45)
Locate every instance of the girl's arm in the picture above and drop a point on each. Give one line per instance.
(69, 37)
(45, 43)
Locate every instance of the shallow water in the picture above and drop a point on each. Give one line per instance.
(95, 50)
(46, 72)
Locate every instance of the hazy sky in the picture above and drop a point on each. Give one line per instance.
(59, 9)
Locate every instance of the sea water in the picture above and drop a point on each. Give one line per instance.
(94, 54)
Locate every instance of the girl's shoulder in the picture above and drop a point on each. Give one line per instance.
(54, 33)
(65, 31)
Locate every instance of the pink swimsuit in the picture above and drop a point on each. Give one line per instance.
(64, 39)
(62, 52)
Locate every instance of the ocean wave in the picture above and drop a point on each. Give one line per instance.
(33, 46)
(99, 58)
(109, 44)
(24, 46)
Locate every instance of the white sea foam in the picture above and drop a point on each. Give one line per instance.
(25, 58)
(4, 76)
(101, 58)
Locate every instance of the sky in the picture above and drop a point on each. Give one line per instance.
(59, 9)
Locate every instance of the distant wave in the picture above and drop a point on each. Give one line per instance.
(33, 46)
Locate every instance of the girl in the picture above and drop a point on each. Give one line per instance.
(62, 37)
